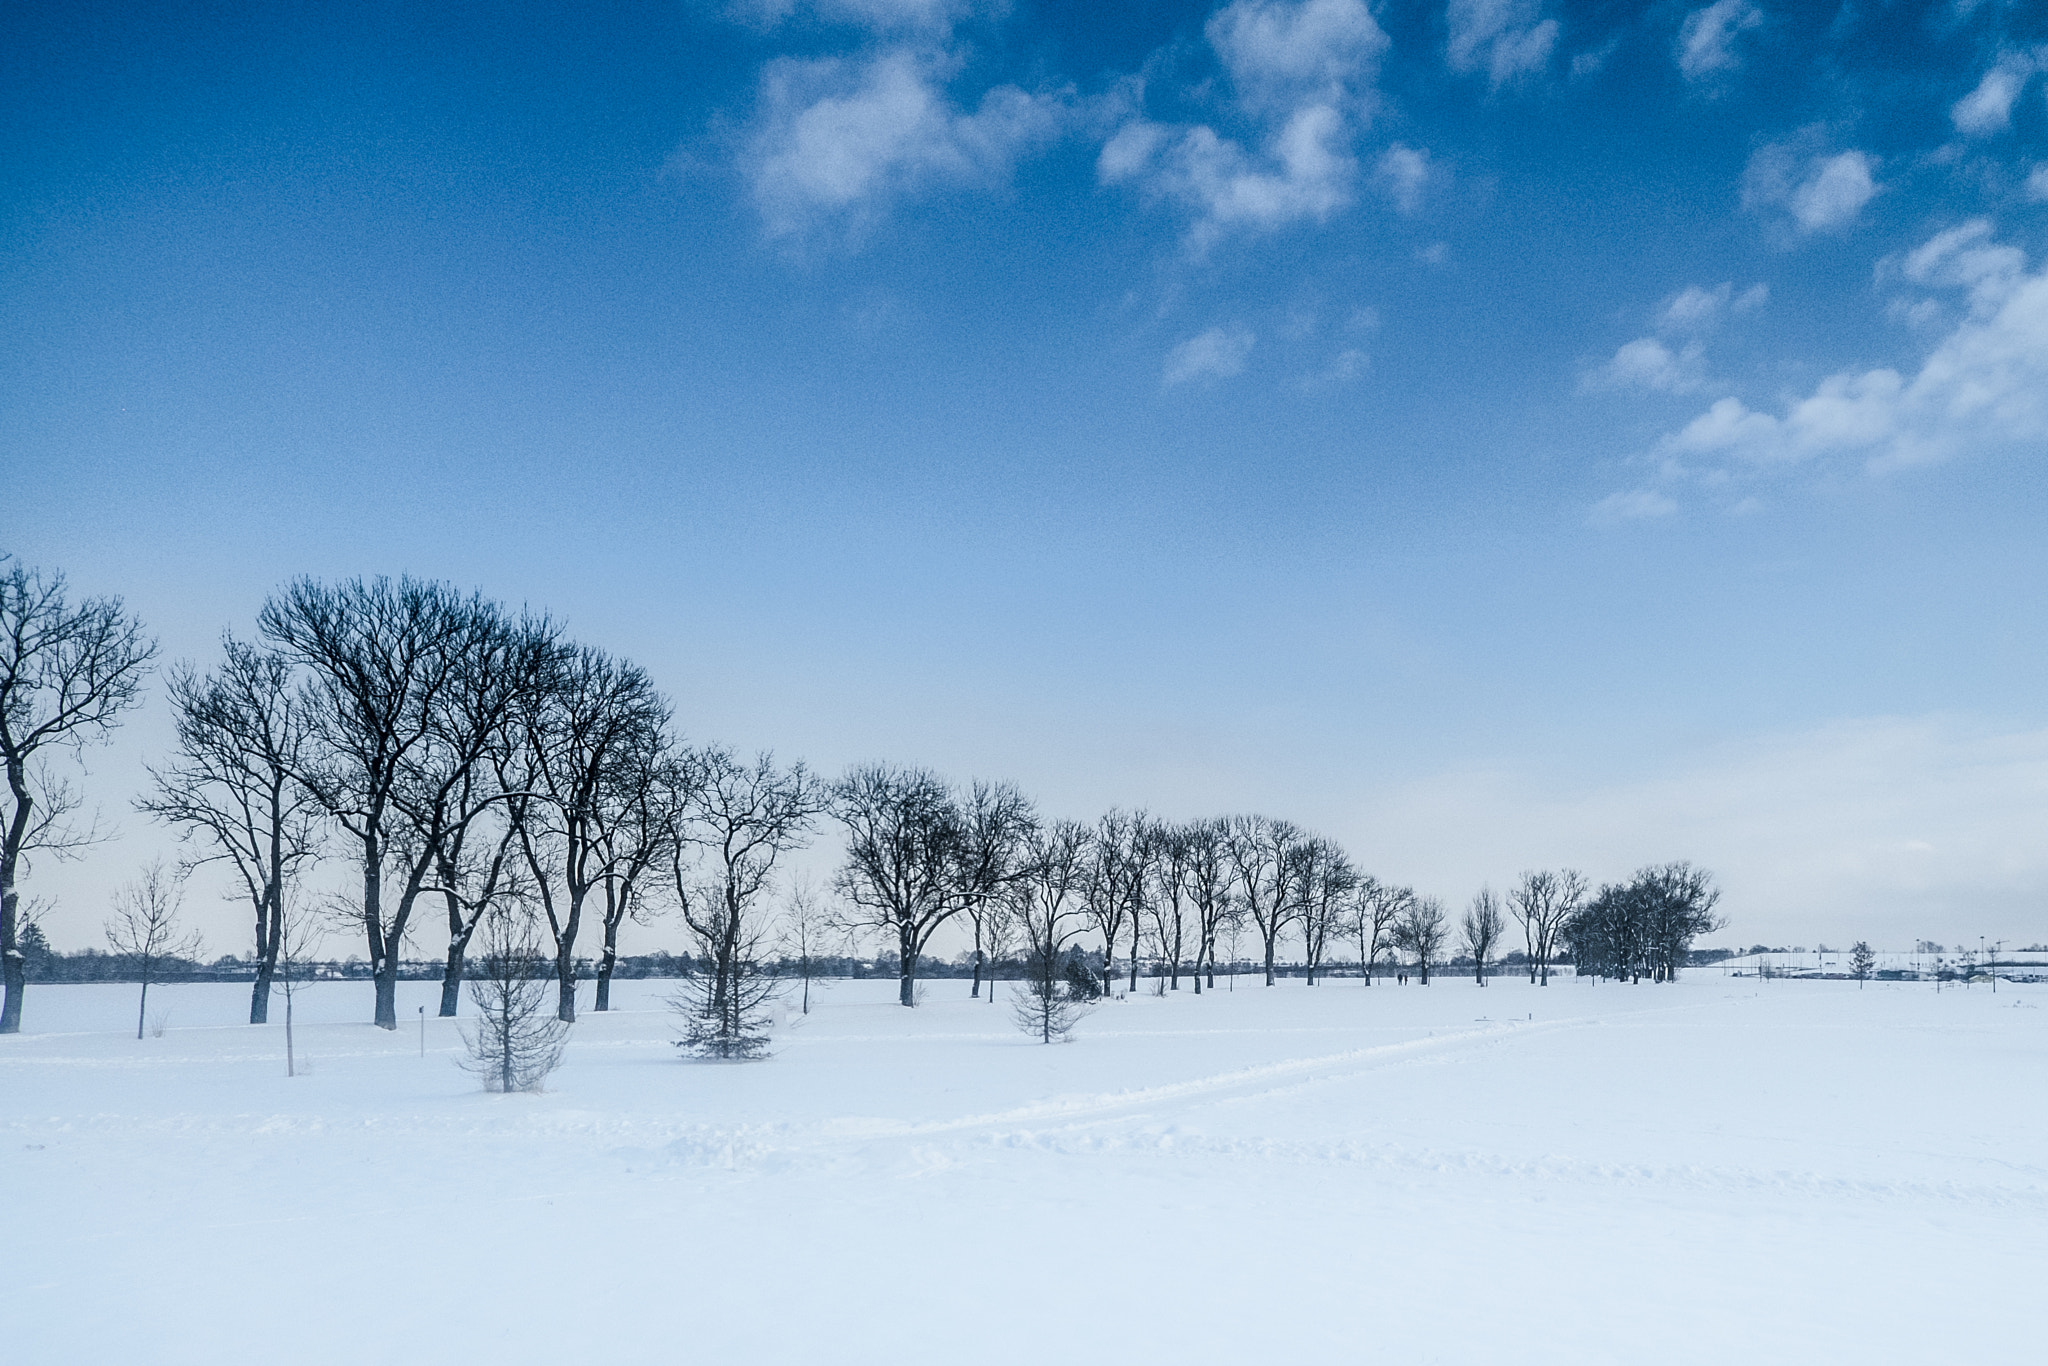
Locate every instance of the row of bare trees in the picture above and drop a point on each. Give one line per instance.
(921, 853)
(462, 760)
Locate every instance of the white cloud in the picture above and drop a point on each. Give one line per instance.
(1648, 363)
(1833, 194)
(1635, 505)
(1506, 38)
(1218, 353)
(1301, 73)
(1317, 49)
(1404, 171)
(1588, 62)
(1706, 40)
(1306, 171)
(1818, 191)
(2037, 184)
(1984, 385)
(1697, 308)
(839, 137)
(1988, 108)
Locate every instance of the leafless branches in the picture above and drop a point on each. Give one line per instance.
(1481, 930)
(67, 672)
(241, 739)
(144, 928)
(516, 1040)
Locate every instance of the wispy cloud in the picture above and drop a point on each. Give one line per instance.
(1503, 38)
(1984, 385)
(838, 138)
(1218, 353)
(1404, 172)
(1706, 40)
(1633, 505)
(1816, 191)
(1696, 307)
(1988, 108)
(1301, 75)
(1648, 363)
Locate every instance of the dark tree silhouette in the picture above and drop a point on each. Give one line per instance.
(230, 786)
(1420, 932)
(904, 846)
(1543, 904)
(1481, 930)
(1050, 914)
(67, 672)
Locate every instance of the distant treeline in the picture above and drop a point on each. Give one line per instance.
(44, 964)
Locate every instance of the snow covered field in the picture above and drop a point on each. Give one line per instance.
(1720, 1171)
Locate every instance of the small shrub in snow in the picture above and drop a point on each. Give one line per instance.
(518, 1038)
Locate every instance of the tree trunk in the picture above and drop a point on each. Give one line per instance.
(451, 982)
(605, 965)
(13, 967)
(259, 995)
(906, 981)
(565, 1003)
(387, 992)
(1269, 957)
(142, 1009)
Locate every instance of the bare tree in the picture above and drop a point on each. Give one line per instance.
(1325, 884)
(1050, 914)
(637, 845)
(1262, 859)
(1118, 884)
(999, 933)
(476, 871)
(144, 928)
(67, 672)
(241, 738)
(590, 745)
(743, 819)
(1481, 929)
(1374, 915)
(516, 1040)
(1681, 901)
(904, 835)
(297, 935)
(1207, 845)
(804, 927)
(1421, 931)
(1543, 903)
(409, 685)
(1167, 905)
(988, 857)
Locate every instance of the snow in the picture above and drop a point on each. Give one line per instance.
(1719, 1170)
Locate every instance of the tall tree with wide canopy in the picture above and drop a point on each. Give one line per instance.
(587, 750)
(904, 840)
(67, 672)
(408, 685)
(1262, 860)
(230, 787)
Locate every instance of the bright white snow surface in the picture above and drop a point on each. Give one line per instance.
(1718, 1171)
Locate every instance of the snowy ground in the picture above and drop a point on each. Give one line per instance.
(1724, 1170)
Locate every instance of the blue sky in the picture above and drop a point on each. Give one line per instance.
(1503, 434)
